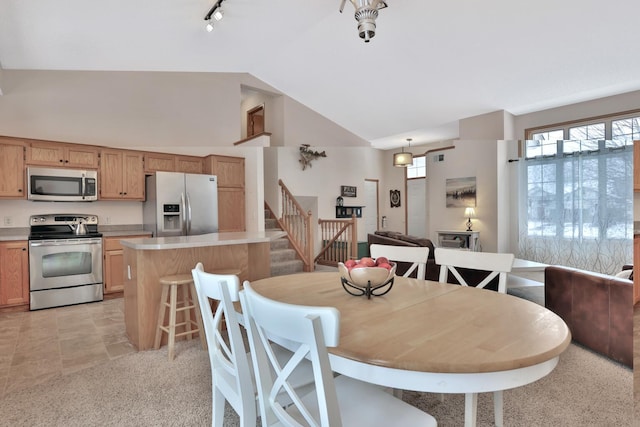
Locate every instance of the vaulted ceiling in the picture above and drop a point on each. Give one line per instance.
(430, 63)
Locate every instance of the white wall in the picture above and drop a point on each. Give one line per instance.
(478, 158)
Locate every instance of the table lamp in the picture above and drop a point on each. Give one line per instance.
(469, 213)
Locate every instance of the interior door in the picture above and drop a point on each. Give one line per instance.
(255, 121)
(417, 207)
(370, 212)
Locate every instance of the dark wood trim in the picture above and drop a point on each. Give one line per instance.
(242, 141)
(529, 131)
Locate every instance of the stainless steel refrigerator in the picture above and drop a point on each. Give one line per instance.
(180, 204)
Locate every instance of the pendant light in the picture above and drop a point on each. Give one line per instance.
(403, 159)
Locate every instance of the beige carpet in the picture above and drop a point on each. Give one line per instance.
(145, 389)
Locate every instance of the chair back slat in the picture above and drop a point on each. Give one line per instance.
(498, 264)
(417, 255)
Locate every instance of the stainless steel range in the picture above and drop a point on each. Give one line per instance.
(65, 260)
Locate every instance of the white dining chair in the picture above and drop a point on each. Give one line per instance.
(232, 377)
(336, 402)
(417, 255)
(498, 265)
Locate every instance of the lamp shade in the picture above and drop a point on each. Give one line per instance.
(469, 213)
(402, 159)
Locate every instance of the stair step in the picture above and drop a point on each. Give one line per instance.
(286, 267)
(279, 244)
(270, 224)
(282, 255)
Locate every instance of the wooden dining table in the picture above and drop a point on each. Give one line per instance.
(432, 337)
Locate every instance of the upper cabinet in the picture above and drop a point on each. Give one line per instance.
(121, 175)
(44, 153)
(229, 170)
(189, 164)
(154, 162)
(12, 176)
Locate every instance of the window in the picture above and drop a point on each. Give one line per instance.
(578, 194)
(418, 169)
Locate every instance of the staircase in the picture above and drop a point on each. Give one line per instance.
(283, 257)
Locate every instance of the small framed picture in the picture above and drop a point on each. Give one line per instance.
(347, 191)
(394, 197)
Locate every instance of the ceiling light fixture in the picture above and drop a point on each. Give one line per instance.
(366, 14)
(403, 159)
(215, 12)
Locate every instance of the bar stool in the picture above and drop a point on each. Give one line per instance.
(170, 285)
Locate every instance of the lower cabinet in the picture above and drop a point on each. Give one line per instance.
(113, 267)
(14, 273)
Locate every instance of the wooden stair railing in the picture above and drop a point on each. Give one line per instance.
(339, 238)
(297, 224)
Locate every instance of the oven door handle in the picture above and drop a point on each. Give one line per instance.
(66, 242)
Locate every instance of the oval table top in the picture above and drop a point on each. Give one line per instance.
(429, 326)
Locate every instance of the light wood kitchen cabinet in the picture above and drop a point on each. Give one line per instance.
(229, 170)
(154, 162)
(231, 193)
(121, 175)
(189, 164)
(12, 176)
(113, 267)
(14, 273)
(66, 155)
(231, 208)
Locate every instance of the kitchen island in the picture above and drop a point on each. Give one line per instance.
(148, 259)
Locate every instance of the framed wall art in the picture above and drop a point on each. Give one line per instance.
(348, 191)
(394, 197)
(461, 192)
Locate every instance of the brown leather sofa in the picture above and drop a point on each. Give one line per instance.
(394, 238)
(597, 308)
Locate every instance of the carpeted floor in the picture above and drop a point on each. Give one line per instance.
(145, 389)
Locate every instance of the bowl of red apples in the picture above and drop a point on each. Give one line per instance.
(367, 276)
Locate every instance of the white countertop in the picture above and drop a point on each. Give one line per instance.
(212, 239)
(12, 237)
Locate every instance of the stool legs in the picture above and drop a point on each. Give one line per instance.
(188, 301)
(172, 320)
(161, 314)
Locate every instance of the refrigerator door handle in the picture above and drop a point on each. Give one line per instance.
(188, 215)
(183, 202)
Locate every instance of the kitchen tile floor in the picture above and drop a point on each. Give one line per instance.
(39, 345)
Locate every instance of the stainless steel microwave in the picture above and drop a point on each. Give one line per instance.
(62, 185)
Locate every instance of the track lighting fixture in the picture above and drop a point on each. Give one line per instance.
(215, 12)
(366, 14)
